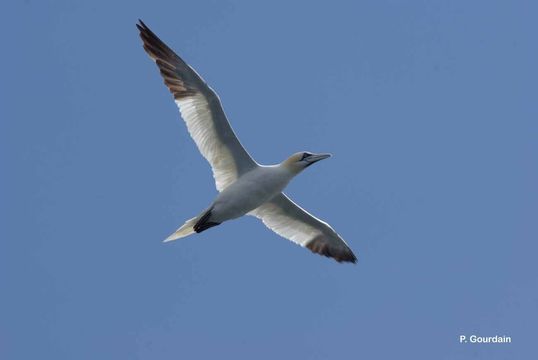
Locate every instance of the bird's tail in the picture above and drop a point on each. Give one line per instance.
(185, 230)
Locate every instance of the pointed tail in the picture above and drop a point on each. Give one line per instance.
(185, 230)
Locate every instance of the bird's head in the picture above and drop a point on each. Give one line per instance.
(301, 160)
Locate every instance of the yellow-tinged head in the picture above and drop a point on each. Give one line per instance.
(301, 160)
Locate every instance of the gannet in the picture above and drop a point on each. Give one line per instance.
(245, 187)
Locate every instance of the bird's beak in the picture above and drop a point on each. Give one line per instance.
(317, 157)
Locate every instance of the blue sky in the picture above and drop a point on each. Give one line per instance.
(429, 108)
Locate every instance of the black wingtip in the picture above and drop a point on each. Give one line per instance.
(353, 258)
(321, 246)
(142, 27)
(349, 259)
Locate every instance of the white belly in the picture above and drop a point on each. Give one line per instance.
(248, 192)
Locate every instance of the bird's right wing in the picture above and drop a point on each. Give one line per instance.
(201, 109)
(292, 222)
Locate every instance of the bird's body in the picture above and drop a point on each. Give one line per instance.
(245, 187)
(249, 192)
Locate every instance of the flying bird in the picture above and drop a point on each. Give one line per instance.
(245, 187)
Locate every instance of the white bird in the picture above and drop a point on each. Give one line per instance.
(245, 187)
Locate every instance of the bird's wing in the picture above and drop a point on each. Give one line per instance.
(289, 220)
(201, 109)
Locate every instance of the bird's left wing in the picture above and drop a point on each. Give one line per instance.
(291, 221)
(201, 109)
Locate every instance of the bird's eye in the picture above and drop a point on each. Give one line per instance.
(305, 155)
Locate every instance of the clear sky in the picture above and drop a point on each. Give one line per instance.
(429, 108)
